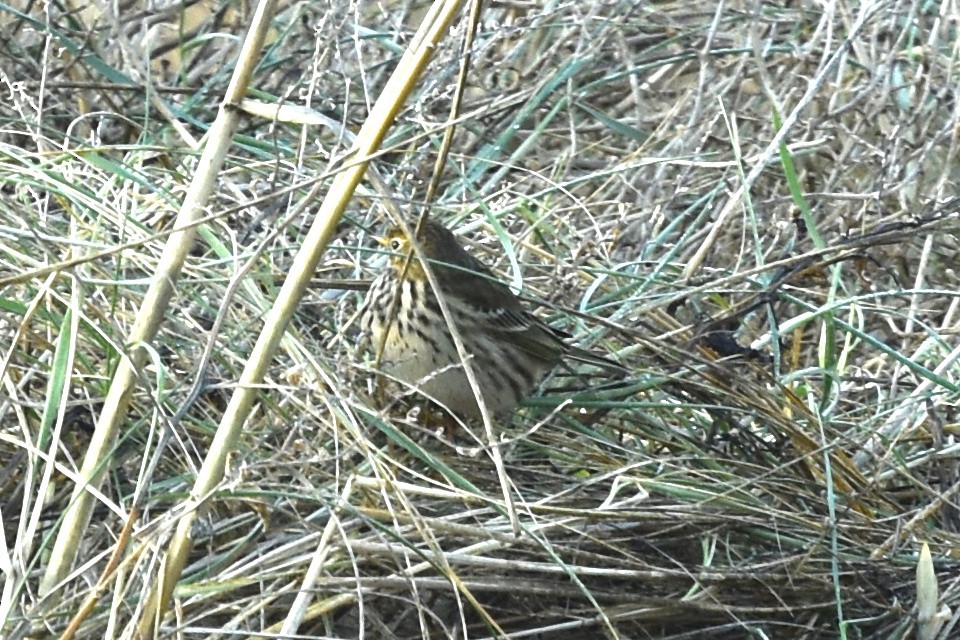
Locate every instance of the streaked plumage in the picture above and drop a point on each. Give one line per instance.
(511, 349)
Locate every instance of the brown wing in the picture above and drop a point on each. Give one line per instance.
(492, 306)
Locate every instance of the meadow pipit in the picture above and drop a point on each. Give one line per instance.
(510, 350)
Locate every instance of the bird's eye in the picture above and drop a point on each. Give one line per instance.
(396, 244)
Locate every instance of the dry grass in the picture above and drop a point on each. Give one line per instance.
(782, 491)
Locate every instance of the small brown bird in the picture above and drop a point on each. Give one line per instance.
(510, 349)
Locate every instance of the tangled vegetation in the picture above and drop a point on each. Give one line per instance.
(751, 206)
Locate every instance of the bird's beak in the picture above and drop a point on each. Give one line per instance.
(383, 242)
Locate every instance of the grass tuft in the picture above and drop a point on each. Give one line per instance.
(750, 207)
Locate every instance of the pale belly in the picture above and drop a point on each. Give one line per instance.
(434, 368)
(431, 365)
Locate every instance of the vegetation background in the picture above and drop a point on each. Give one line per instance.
(749, 204)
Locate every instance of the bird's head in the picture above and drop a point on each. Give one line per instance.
(437, 244)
